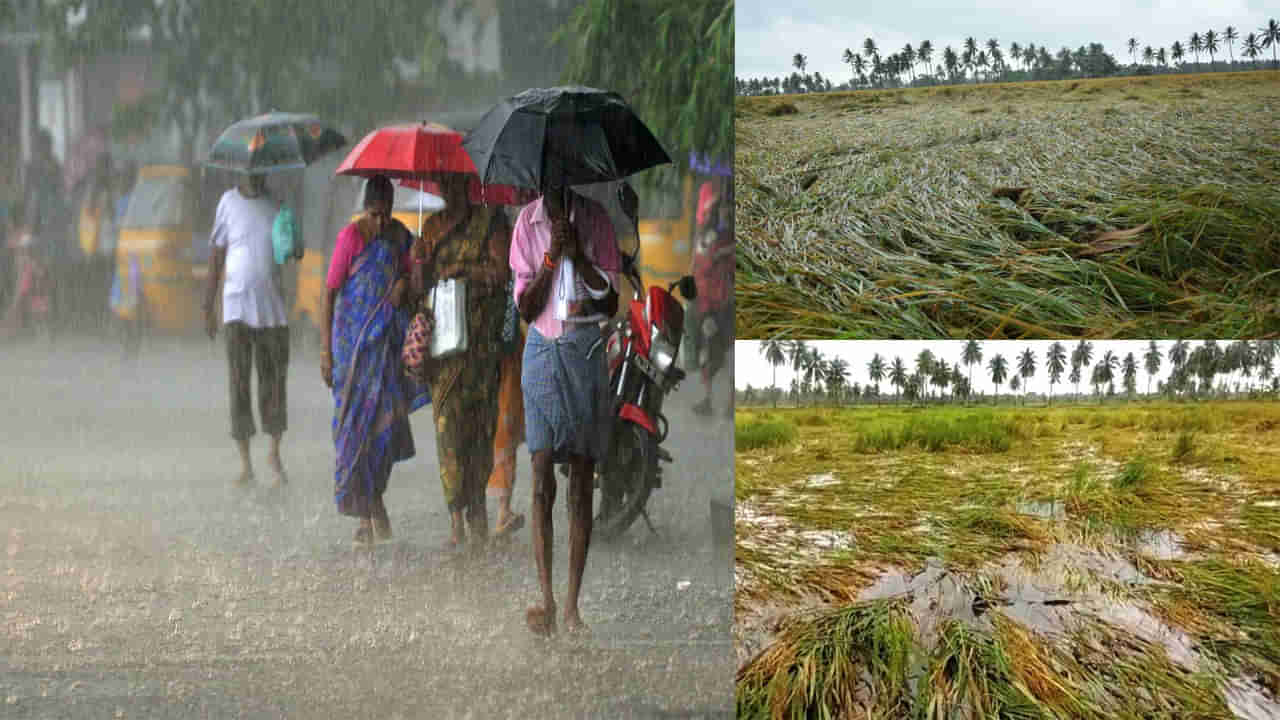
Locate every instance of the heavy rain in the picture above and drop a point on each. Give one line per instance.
(325, 326)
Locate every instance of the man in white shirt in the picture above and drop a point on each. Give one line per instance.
(253, 311)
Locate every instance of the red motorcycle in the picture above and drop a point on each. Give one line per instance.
(641, 351)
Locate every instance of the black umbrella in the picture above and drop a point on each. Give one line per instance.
(569, 135)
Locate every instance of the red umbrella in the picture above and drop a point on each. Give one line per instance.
(408, 151)
(415, 153)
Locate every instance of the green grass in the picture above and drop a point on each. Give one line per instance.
(763, 434)
(906, 232)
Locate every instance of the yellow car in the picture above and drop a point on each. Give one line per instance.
(160, 249)
(666, 233)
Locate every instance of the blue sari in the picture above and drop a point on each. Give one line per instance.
(372, 396)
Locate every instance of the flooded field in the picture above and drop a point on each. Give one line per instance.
(136, 582)
(1121, 208)
(1074, 562)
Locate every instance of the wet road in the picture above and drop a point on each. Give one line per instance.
(137, 583)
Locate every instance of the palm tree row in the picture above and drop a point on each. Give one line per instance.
(1206, 370)
(988, 61)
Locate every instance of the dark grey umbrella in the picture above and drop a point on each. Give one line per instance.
(568, 135)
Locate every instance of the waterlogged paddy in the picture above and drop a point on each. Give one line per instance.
(979, 211)
(1042, 562)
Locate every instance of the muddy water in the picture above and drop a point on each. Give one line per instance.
(135, 583)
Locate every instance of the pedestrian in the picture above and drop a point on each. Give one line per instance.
(253, 313)
(365, 318)
(29, 307)
(47, 217)
(713, 267)
(510, 431)
(565, 257)
(458, 242)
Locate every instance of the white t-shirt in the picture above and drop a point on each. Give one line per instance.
(251, 289)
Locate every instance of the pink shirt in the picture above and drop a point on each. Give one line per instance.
(348, 247)
(531, 239)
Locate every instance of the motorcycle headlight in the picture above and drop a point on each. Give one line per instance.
(662, 355)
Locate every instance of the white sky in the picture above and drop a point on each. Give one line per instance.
(750, 366)
(768, 34)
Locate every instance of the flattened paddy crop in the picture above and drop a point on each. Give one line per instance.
(1125, 208)
(1094, 562)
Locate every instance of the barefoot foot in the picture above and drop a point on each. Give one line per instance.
(541, 622)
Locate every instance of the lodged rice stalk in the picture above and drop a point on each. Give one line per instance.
(1129, 208)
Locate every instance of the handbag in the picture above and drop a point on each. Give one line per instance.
(286, 242)
(416, 347)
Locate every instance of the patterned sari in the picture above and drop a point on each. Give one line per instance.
(372, 396)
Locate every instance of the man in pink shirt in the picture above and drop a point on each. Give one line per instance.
(565, 258)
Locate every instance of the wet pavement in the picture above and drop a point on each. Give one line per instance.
(137, 583)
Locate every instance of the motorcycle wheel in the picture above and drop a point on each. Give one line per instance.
(625, 480)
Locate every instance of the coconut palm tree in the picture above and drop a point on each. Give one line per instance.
(875, 371)
(950, 61)
(837, 376)
(1211, 45)
(1027, 369)
(813, 367)
(1152, 360)
(1230, 35)
(1014, 386)
(1161, 58)
(1107, 367)
(1133, 47)
(797, 354)
(1252, 48)
(774, 354)
(940, 377)
(869, 48)
(860, 67)
(1271, 38)
(909, 58)
(1081, 357)
(993, 50)
(799, 61)
(983, 62)
(970, 54)
(1175, 51)
(999, 371)
(898, 377)
(925, 53)
(924, 366)
(1057, 363)
(1179, 352)
(1130, 371)
(1195, 45)
(972, 355)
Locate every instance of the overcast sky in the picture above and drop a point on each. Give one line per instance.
(750, 366)
(768, 34)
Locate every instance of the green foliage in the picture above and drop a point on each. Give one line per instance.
(244, 56)
(754, 434)
(1134, 473)
(978, 431)
(671, 60)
